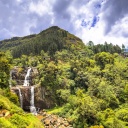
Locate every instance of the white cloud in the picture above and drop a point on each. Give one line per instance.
(41, 7)
(19, 1)
(119, 29)
(32, 16)
(96, 34)
(87, 33)
(117, 35)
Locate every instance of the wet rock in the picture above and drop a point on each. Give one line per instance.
(54, 121)
(26, 95)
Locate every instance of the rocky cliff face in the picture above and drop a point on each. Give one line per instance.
(26, 95)
(42, 97)
(18, 75)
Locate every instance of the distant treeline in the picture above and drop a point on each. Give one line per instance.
(106, 47)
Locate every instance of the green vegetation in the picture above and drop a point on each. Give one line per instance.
(14, 117)
(11, 115)
(88, 83)
(104, 47)
(59, 39)
(4, 70)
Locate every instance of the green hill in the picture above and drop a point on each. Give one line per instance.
(50, 40)
(12, 116)
(87, 83)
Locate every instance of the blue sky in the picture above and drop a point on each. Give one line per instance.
(95, 20)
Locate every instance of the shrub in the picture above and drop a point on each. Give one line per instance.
(5, 123)
(11, 96)
(122, 114)
(4, 103)
(19, 121)
(113, 123)
(25, 121)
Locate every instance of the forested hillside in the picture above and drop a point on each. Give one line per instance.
(51, 40)
(89, 83)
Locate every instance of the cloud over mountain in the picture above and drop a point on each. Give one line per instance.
(96, 20)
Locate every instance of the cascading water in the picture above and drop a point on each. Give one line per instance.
(26, 81)
(10, 80)
(20, 97)
(32, 107)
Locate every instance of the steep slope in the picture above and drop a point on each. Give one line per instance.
(52, 39)
(12, 116)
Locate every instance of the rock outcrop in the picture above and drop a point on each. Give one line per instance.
(18, 75)
(4, 113)
(26, 94)
(54, 121)
(42, 97)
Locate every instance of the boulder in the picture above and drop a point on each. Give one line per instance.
(54, 121)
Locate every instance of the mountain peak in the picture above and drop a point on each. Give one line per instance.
(52, 39)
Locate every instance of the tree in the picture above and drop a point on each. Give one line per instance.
(4, 70)
(104, 58)
(52, 49)
(90, 45)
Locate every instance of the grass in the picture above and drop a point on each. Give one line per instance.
(55, 110)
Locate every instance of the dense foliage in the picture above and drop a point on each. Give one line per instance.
(11, 115)
(51, 40)
(104, 47)
(89, 84)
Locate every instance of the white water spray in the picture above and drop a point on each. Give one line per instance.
(32, 107)
(26, 81)
(20, 98)
(10, 80)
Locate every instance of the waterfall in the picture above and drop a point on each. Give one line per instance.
(10, 80)
(26, 81)
(20, 98)
(32, 107)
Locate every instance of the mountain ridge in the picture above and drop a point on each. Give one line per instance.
(52, 39)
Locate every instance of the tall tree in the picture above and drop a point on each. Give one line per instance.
(4, 70)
